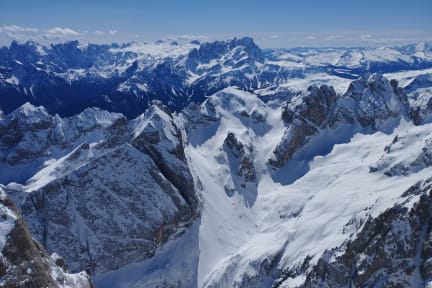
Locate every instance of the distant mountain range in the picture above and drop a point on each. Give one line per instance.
(67, 78)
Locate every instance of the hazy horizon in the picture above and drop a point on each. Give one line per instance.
(273, 24)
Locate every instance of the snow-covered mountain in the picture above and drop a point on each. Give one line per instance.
(96, 175)
(284, 172)
(67, 78)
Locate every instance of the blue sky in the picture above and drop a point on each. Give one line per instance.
(273, 23)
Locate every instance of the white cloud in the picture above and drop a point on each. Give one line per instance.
(333, 37)
(366, 36)
(62, 34)
(16, 29)
(187, 37)
(16, 36)
(58, 33)
(21, 33)
(275, 36)
(53, 34)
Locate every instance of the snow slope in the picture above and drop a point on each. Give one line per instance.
(264, 231)
(283, 224)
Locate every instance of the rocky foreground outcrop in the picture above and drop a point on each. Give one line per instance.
(24, 262)
(391, 250)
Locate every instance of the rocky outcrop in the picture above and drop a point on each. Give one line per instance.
(30, 136)
(408, 153)
(104, 191)
(161, 139)
(125, 78)
(25, 263)
(21, 129)
(304, 119)
(390, 250)
(242, 153)
(420, 94)
(314, 108)
(113, 210)
(371, 103)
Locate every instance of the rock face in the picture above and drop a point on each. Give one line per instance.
(304, 119)
(107, 203)
(391, 250)
(397, 161)
(31, 136)
(161, 139)
(371, 103)
(380, 248)
(246, 168)
(24, 262)
(420, 92)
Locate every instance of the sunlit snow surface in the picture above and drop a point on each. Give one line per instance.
(301, 219)
(237, 231)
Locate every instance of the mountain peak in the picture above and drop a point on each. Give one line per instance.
(28, 109)
(211, 50)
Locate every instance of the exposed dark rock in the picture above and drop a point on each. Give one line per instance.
(304, 120)
(10, 132)
(158, 197)
(25, 263)
(370, 102)
(419, 114)
(117, 133)
(422, 159)
(391, 250)
(246, 167)
(169, 157)
(296, 136)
